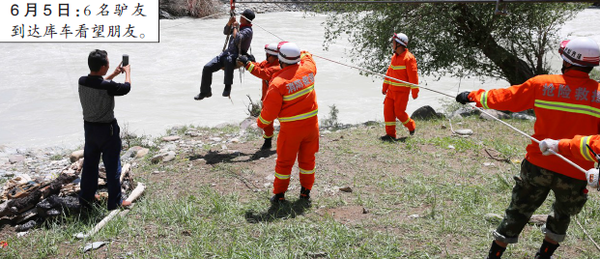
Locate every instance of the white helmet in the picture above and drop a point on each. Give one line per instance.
(401, 38)
(289, 53)
(271, 49)
(582, 52)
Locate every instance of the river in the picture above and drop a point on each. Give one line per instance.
(39, 104)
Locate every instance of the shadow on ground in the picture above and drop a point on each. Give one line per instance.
(277, 211)
(215, 157)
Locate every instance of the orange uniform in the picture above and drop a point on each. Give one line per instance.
(577, 147)
(292, 100)
(403, 67)
(565, 105)
(264, 71)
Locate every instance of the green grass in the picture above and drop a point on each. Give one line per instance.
(424, 200)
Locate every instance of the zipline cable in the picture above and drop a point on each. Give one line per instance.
(438, 92)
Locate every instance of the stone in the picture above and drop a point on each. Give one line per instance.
(165, 15)
(464, 112)
(495, 114)
(425, 113)
(157, 158)
(171, 138)
(215, 139)
(16, 159)
(169, 156)
(234, 140)
(76, 155)
(142, 153)
(346, 189)
(522, 116)
(464, 132)
(248, 122)
(192, 133)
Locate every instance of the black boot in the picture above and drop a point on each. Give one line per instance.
(227, 91)
(201, 96)
(278, 198)
(496, 251)
(304, 193)
(546, 250)
(267, 144)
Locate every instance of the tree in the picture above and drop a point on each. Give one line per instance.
(458, 39)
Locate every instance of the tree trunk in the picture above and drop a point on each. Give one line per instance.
(477, 34)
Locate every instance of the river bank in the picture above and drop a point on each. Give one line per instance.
(428, 195)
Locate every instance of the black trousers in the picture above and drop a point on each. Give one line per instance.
(224, 60)
(101, 139)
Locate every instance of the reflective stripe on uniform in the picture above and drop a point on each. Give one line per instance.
(282, 177)
(302, 171)
(484, 100)
(585, 141)
(397, 67)
(263, 120)
(300, 116)
(302, 92)
(407, 121)
(568, 107)
(251, 67)
(390, 123)
(394, 83)
(265, 136)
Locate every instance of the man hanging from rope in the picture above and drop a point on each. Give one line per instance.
(264, 70)
(565, 105)
(404, 67)
(241, 37)
(292, 100)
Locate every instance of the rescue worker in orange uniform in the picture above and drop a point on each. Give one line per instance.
(565, 105)
(403, 67)
(578, 147)
(292, 100)
(264, 70)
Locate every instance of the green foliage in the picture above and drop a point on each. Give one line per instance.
(455, 39)
(194, 8)
(254, 108)
(332, 120)
(595, 74)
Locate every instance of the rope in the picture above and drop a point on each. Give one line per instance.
(586, 233)
(201, 18)
(438, 92)
(453, 97)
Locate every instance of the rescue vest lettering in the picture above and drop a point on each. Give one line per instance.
(299, 84)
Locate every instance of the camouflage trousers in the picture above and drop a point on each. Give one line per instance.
(531, 189)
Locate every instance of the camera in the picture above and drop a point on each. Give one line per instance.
(125, 60)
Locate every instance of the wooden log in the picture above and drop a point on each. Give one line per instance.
(125, 170)
(137, 192)
(15, 206)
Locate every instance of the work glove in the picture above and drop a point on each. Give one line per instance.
(548, 145)
(243, 59)
(463, 98)
(415, 93)
(251, 58)
(592, 177)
